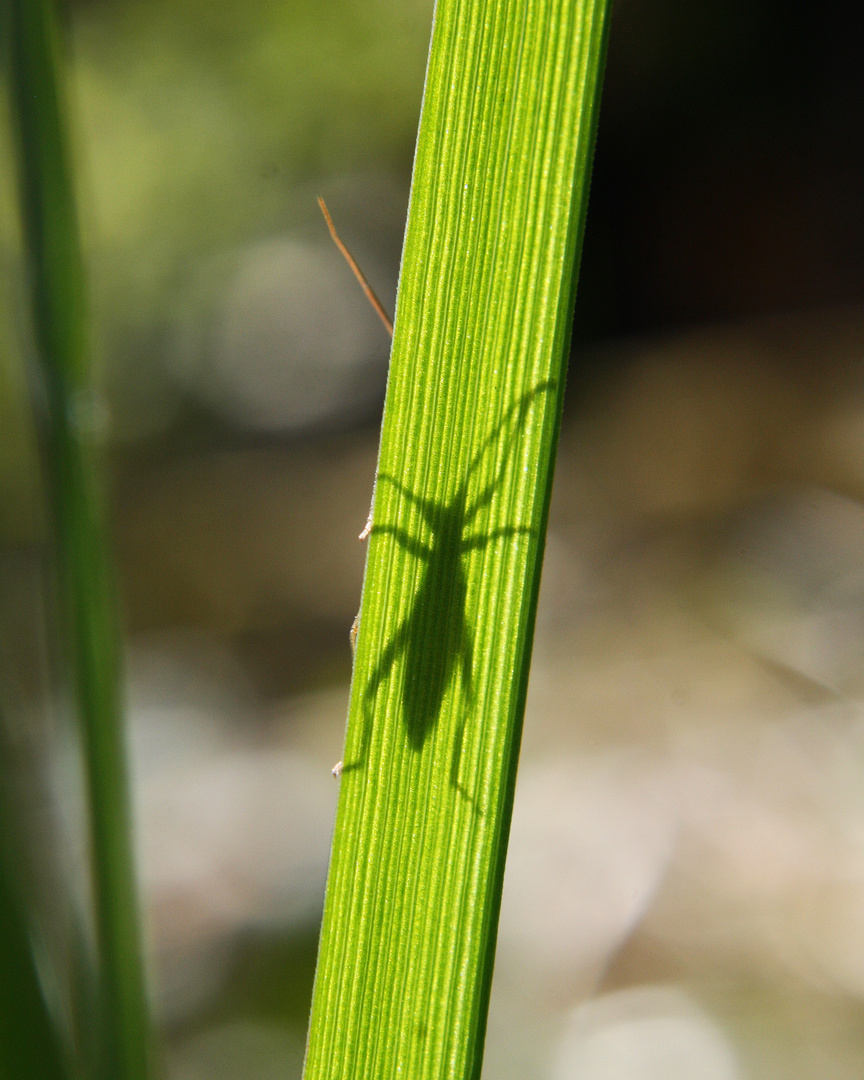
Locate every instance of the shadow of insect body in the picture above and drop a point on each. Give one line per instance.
(435, 640)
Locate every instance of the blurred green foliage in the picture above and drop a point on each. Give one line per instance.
(196, 129)
(199, 123)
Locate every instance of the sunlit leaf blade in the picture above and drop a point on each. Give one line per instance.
(60, 332)
(467, 449)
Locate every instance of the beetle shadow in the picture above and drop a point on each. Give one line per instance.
(435, 638)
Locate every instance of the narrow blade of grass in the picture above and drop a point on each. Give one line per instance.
(467, 449)
(60, 332)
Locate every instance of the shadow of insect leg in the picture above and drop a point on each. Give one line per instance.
(410, 543)
(427, 507)
(379, 674)
(466, 655)
(506, 532)
(509, 423)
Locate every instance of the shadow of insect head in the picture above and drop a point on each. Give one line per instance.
(435, 640)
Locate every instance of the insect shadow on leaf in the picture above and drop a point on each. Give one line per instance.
(435, 639)
(437, 626)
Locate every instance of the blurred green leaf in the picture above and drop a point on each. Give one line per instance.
(60, 330)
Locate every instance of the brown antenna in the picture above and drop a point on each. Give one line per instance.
(358, 273)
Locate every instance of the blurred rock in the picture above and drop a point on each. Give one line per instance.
(788, 581)
(233, 832)
(239, 841)
(768, 877)
(650, 1033)
(589, 845)
(293, 345)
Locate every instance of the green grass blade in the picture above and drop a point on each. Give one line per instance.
(60, 331)
(467, 449)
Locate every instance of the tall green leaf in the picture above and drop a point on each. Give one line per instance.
(60, 331)
(467, 448)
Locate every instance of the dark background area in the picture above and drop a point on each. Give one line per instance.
(728, 173)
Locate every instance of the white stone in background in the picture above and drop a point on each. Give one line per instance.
(590, 842)
(238, 841)
(769, 874)
(788, 584)
(650, 1033)
(296, 343)
(233, 831)
(243, 838)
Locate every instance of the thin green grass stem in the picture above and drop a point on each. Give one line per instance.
(52, 248)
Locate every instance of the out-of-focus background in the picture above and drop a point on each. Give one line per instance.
(685, 888)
